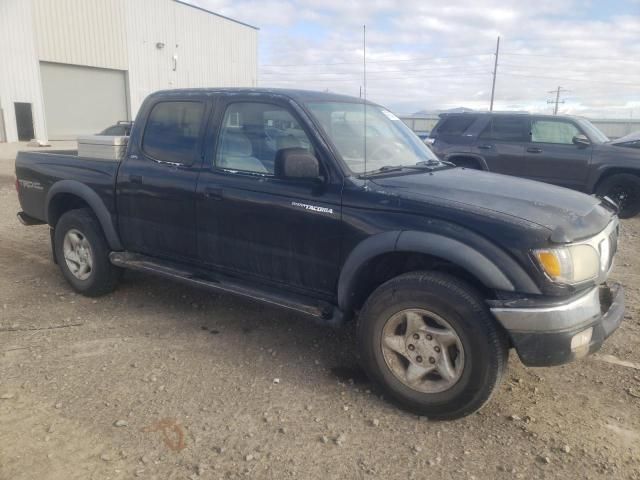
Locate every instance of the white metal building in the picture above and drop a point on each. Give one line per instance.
(72, 67)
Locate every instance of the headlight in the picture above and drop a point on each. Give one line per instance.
(570, 264)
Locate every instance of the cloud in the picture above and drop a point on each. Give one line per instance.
(426, 54)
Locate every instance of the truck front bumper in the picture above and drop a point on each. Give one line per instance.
(546, 333)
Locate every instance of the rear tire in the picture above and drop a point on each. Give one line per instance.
(83, 254)
(436, 307)
(624, 189)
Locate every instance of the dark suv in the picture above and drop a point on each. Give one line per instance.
(563, 150)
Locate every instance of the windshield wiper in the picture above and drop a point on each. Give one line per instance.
(423, 165)
(435, 163)
(382, 170)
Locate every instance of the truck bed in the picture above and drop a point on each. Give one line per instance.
(38, 171)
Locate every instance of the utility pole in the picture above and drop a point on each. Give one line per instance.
(557, 101)
(495, 71)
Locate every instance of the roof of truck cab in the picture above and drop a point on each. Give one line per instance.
(302, 96)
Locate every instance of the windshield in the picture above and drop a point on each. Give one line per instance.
(594, 134)
(389, 142)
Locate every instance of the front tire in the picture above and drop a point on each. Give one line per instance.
(83, 254)
(429, 341)
(624, 189)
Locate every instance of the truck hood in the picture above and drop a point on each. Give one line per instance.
(569, 215)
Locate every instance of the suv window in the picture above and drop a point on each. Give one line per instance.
(506, 129)
(172, 131)
(455, 125)
(553, 131)
(253, 133)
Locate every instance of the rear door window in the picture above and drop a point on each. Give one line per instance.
(456, 125)
(505, 129)
(172, 131)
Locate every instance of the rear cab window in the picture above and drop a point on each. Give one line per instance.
(172, 131)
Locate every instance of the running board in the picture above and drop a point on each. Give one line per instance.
(324, 312)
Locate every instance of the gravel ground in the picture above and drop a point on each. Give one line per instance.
(162, 381)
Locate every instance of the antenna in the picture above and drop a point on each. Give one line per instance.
(364, 82)
(495, 72)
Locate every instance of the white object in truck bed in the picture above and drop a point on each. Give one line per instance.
(105, 147)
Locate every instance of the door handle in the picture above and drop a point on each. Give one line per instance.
(485, 146)
(534, 150)
(135, 178)
(214, 193)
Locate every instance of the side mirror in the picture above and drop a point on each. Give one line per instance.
(296, 163)
(581, 141)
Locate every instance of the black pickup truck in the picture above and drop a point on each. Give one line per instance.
(331, 206)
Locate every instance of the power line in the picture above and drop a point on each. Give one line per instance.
(556, 66)
(414, 59)
(473, 68)
(355, 77)
(571, 79)
(573, 57)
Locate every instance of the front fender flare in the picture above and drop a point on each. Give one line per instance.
(363, 252)
(96, 204)
(500, 272)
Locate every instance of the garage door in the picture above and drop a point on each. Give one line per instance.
(81, 100)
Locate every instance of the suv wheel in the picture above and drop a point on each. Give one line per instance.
(624, 189)
(429, 341)
(468, 163)
(83, 255)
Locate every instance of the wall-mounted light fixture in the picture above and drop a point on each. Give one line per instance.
(160, 45)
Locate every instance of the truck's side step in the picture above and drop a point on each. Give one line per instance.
(326, 313)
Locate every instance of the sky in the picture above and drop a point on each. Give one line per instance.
(436, 55)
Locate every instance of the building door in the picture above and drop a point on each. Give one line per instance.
(82, 100)
(24, 121)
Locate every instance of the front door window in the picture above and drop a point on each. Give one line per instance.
(553, 131)
(253, 133)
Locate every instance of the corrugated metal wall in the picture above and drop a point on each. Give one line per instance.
(200, 49)
(82, 32)
(211, 47)
(19, 68)
(148, 23)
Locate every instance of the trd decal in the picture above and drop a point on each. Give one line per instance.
(30, 184)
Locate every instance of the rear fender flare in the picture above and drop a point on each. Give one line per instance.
(96, 204)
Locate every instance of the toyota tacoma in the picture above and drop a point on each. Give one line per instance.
(332, 207)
